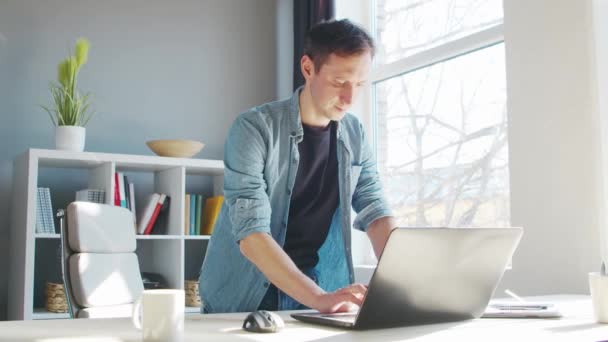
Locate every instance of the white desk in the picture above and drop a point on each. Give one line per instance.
(576, 325)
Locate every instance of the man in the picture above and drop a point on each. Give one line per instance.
(293, 169)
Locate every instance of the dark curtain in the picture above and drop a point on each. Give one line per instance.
(306, 13)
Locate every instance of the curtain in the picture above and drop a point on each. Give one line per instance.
(306, 13)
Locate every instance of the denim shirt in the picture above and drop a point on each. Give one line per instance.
(261, 161)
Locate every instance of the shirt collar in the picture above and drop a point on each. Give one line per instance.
(296, 129)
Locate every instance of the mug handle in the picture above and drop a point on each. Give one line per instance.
(136, 316)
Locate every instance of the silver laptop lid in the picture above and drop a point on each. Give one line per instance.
(431, 275)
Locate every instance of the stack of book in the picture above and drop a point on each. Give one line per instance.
(45, 223)
(91, 195)
(124, 192)
(153, 216)
(201, 214)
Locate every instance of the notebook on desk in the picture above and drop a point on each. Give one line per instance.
(521, 310)
(430, 275)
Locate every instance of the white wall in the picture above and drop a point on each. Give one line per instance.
(600, 11)
(554, 145)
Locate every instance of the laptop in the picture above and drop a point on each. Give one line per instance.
(430, 275)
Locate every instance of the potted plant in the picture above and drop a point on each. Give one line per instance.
(70, 111)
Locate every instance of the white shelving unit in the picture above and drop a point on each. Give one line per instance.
(33, 255)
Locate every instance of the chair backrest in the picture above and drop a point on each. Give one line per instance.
(101, 270)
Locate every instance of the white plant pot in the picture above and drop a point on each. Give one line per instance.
(70, 138)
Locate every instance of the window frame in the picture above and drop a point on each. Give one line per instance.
(483, 39)
(358, 12)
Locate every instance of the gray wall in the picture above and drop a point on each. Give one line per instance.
(284, 48)
(157, 69)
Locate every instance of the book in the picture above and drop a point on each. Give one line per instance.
(116, 190)
(155, 213)
(192, 213)
(161, 224)
(121, 190)
(132, 198)
(45, 222)
(213, 205)
(38, 213)
(147, 211)
(91, 195)
(199, 212)
(48, 211)
(187, 215)
(40, 226)
(43, 216)
(127, 195)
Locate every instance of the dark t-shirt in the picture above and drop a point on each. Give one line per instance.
(314, 197)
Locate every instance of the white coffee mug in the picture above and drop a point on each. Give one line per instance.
(159, 314)
(598, 286)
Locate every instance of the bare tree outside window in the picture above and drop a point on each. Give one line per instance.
(406, 27)
(442, 129)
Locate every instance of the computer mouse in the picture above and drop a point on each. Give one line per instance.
(263, 321)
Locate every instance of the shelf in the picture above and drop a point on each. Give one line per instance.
(41, 313)
(197, 237)
(34, 257)
(158, 237)
(69, 159)
(172, 237)
(46, 236)
(141, 237)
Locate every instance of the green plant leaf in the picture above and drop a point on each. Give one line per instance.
(82, 51)
(69, 107)
(63, 73)
(51, 114)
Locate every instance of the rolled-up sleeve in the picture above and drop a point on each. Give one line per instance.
(244, 185)
(368, 198)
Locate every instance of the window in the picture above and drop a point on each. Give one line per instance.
(439, 111)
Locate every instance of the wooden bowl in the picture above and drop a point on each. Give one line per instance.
(175, 148)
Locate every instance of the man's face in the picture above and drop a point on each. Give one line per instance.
(336, 85)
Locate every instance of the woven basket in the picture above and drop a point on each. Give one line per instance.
(55, 298)
(192, 297)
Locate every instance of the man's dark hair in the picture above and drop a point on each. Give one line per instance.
(341, 37)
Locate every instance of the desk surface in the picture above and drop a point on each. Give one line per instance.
(576, 325)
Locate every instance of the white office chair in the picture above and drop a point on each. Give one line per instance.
(99, 265)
